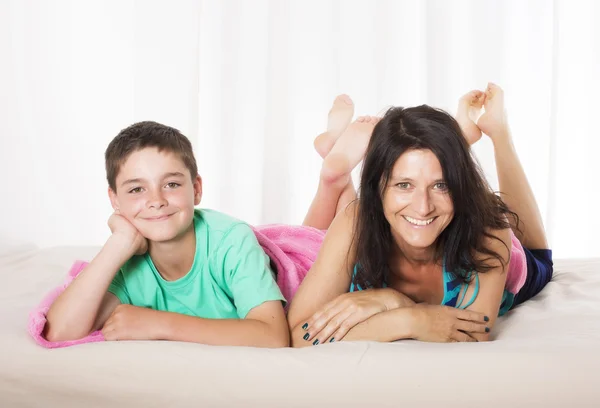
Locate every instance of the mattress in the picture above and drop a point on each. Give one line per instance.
(544, 353)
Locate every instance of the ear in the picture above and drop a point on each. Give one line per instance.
(197, 189)
(114, 200)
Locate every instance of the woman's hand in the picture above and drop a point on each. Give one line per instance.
(442, 324)
(336, 318)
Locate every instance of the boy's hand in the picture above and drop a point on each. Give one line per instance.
(129, 322)
(120, 226)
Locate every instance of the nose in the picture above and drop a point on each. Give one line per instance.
(156, 200)
(422, 203)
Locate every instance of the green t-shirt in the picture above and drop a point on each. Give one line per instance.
(230, 275)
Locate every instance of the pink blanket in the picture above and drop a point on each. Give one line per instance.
(292, 249)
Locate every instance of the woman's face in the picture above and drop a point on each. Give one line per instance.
(416, 200)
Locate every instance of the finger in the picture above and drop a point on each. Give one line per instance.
(318, 336)
(108, 333)
(316, 315)
(471, 327)
(108, 322)
(321, 319)
(313, 326)
(471, 315)
(346, 326)
(462, 337)
(336, 323)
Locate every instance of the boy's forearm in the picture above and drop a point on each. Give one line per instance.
(388, 326)
(73, 313)
(221, 332)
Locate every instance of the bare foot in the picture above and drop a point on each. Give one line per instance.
(469, 110)
(494, 122)
(338, 119)
(348, 151)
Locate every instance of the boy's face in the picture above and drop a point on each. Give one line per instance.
(156, 194)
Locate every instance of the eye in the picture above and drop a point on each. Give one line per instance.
(135, 190)
(441, 186)
(173, 185)
(403, 185)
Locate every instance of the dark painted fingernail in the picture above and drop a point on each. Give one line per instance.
(315, 342)
(305, 326)
(306, 336)
(485, 318)
(332, 340)
(487, 329)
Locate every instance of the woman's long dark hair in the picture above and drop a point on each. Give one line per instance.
(477, 209)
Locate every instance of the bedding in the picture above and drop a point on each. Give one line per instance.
(544, 353)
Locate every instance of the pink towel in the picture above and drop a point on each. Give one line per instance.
(292, 249)
(517, 267)
(37, 317)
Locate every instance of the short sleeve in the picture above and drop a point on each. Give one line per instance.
(117, 288)
(247, 273)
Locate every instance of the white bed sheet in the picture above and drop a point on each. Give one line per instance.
(545, 354)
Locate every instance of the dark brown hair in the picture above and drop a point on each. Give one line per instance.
(142, 135)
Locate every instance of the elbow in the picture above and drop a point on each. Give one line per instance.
(54, 333)
(280, 343)
(279, 340)
(276, 336)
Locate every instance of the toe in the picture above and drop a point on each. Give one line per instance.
(478, 99)
(493, 89)
(469, 98)
(343, 98)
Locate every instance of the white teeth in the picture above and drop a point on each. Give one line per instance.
(418, 222)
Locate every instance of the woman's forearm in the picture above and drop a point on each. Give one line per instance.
(388, 326)
(396, 299)
(303, 334)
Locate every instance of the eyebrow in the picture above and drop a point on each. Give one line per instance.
(166, 175)
(405, 179)
(131, 181)
(401, 178)
(173, 174)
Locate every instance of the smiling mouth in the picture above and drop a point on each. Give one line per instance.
(158, 218)
(417, 222)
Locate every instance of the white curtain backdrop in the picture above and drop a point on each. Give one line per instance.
(250, 82)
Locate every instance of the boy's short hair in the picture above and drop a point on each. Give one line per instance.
(142, 135)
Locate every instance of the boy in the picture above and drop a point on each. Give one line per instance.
(170, 271)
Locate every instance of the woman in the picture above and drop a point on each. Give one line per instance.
(428, 251)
